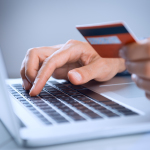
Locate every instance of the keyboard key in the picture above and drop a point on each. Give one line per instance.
(22, 99)
(60, 120)
(92, 104)
(81, 107)
(117, 107)
(46, 96)
(34, 98)
(16, 94)
(109, 103)
(80, 97)
(52, 101)
(49, 111)
(66, 82)
(24, 102)
(16, 85)
(13, 92)
(49, 99)
(27, 105)
(53, 82)
(93, 95)
(35, 111)
(60, 85)
(53, 113)
(105, 111)
(77, 87)
(18, 97)
(45, 107)
(57, 117)
(64, 88)
(78, 118)
(129, 113)
(64, 97)
(72, 101)
(56, 93)
(51, 89)
(71, 93)
(124, 110)
(93, 115)
(112, 115)
(90, 113)
(89, 102)
(31, 108)
(99, 108)
(40, 104)
(57, 104)
(46, 121)
(36, 101)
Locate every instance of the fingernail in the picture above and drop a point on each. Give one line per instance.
(134, 77)
(122, 52)
(76, 75)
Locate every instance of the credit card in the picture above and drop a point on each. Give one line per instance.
(107, 39)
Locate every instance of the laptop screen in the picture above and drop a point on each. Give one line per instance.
(7, 115)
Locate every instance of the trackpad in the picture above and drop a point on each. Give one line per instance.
(128, 90)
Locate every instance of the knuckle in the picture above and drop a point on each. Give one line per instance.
(50, 62)
(31, 51)
(71, 41)
(46, 60)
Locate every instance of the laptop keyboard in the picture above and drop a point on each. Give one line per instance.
(65, 102)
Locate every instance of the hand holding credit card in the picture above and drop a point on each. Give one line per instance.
(107, 39)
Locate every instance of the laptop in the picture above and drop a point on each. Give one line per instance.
(64, 113)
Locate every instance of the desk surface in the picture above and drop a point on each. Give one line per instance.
(132, 142)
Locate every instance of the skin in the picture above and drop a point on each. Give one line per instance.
(74, 60)
(137, 56)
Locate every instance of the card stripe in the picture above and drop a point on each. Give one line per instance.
(103, 31)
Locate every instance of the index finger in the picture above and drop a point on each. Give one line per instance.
(59, 58)
(136, 51)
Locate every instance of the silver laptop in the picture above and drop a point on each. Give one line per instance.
(63, 112)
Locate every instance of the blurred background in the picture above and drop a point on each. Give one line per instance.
(33, 23)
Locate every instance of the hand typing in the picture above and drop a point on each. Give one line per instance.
(74, 60)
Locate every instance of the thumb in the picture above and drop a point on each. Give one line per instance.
(82, 75)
